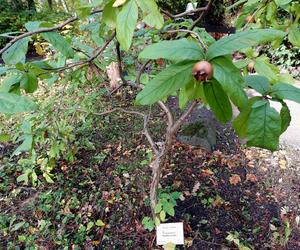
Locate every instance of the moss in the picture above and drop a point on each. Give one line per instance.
(195, 129)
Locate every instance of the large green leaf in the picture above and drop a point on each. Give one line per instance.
(110, 14)
(10, 82)
(242, 40)
(3, 70)
(294, 35)
(240, 124)
(17, 52)
(260, 83)
(191, 91)
(29, 82)
(59, 43)
(264, 126)
(285, 117)
(231, 80)
(178, 50)
(126, 22)
(166, 83)
(263, 67)
(12, 103)
(285, 91)
(218, 101)
(152, 15)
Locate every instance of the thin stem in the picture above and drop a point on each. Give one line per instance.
(193, 33)
(185, 13)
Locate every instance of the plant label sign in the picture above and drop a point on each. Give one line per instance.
(170, 233)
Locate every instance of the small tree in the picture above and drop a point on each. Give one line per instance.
(199, 70)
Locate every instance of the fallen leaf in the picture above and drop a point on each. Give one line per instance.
(282, 164)
(251, 177)
(196, 187)
(235, 179)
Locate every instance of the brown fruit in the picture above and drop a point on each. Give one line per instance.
(202, 71)
(250, 67)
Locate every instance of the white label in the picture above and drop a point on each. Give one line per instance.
(170, 233)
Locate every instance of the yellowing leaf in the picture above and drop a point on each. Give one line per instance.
(235, 179)
(39, 49)
(169, 246)
(118, 3)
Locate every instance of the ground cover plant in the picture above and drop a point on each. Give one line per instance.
(88, 151)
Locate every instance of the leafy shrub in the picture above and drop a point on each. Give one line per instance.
(286, 57)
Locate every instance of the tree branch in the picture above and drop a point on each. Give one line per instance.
(192, 33)
(141, 71)
(168, 112)
(207, 7)
(42, 30)
(119, 58)
(185, 13)
(95, 53)
(182, 118)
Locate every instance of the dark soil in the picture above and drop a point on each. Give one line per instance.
(221, 194)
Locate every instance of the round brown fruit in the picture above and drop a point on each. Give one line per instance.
(202, 71)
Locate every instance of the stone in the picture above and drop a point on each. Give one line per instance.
(201, 133)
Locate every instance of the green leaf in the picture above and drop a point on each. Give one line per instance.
(191, 91)
(3, 70)
(29, 82)
(169, 209)
(242, 40)
(126, 23)
(100, 223)
(282, 2)
(260, 83)
(152, 15)
(240, 124)
(162, 215)
(263, 67)
(12, 103)
(90, 225)
(264, 126)
(110, 14)
(10, 82)
(5, 137)
(218, 101)
(48, 178)
(231, 80)
(285, 117)
(18, 226)
(285, 91)
(271, 11)
(294, 35)
(25, 146)
(17, 52)
(178, 50)
(166, 83)
(59, 43)
(148, 223)
(158, 208)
